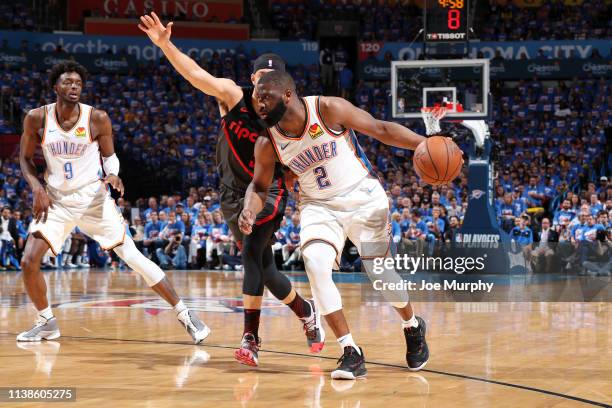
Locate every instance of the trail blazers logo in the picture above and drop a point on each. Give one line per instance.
(80, 132)
(315, 131)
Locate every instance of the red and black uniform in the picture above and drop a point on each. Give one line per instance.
(240, 128)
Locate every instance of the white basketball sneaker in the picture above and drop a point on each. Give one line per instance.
(194, 326)
(43, 330)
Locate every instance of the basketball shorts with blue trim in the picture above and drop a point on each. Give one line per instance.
(91, 208)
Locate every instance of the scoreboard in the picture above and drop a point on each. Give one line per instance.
(446, 20)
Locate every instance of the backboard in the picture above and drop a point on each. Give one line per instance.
(428, 83)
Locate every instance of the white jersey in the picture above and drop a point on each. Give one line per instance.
(73, 159)
(327, 163)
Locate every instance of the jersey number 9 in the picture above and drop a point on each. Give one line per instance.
(68, 171)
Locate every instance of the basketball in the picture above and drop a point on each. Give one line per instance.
(437, 160)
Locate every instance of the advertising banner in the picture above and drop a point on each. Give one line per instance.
(376, 70)
(45, 60)
(202, 10)
(509, 50)
(141, 48)
(551, 69)
(180, 29)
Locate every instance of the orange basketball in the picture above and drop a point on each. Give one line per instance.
(437, 160)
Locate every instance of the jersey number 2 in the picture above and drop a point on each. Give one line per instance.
(321, 175)
(68, 171)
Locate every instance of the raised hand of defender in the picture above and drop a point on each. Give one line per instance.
(246, 221)
(115, 182)
(156, 31)
(42, 202)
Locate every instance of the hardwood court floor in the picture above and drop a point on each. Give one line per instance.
(121, 347)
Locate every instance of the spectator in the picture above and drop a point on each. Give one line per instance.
(396, 230)
(542, 254)
(152, 208)
(22, 233)
(453, 229)
(173, 255)
(152, 232)
(291, 248)
(346, 82)
(507, 212)
(199, 236)
(565, 214)
(522, 236)
(8, 237)
(350, 260)
(326, 62)
(218, 239)
(138, 233)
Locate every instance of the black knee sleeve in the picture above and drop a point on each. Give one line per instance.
(259, 267)
(277, 283)
(252, 284)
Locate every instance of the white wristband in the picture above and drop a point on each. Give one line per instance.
(111, 165)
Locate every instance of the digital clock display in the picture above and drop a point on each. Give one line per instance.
(446, 20)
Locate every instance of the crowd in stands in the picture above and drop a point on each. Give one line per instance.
(553, 20)
(18, 15)
(550, 145)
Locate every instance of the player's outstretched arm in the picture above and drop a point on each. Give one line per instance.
(103, 132)
(257, 192)
(27, 147)
(224, 89)
(340, 112)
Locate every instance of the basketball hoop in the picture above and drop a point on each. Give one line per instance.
(431, 117)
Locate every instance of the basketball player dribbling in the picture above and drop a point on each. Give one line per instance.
(77, 144)
(240, 129)
(339, 197)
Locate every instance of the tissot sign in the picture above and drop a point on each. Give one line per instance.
(203, 10)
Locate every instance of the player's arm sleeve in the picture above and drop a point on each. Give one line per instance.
(223, 89)
(257, 192)
(341, 112)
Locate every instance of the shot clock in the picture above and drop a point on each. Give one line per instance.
(446, 20)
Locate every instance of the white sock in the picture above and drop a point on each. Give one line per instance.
(347, 340)
(413, 322)
(179, 307)
(46, 313)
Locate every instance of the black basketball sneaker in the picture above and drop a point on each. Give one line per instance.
(417, 352)
(247, 353)
(351, 365)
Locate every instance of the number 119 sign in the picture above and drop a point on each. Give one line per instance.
(446, 20)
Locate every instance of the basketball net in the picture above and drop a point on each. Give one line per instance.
(433, 115)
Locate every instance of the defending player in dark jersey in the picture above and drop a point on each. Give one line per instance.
(241, 126)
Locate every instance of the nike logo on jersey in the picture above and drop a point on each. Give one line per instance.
(284, 146)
